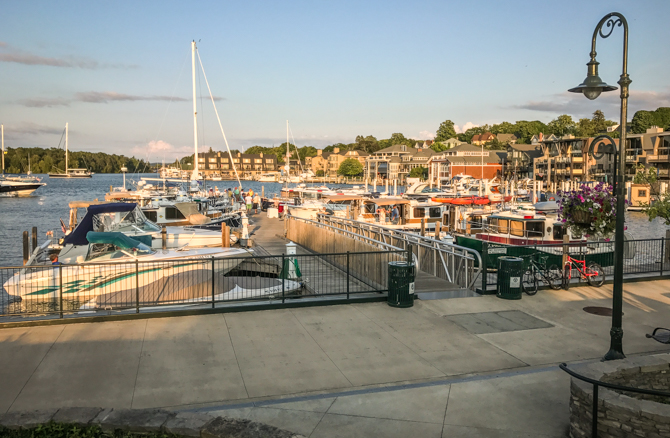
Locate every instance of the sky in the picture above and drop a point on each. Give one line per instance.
(120, 72)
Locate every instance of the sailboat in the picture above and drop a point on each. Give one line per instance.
(70, 173)
(16, 185)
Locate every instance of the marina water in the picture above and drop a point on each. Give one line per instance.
(50, 203)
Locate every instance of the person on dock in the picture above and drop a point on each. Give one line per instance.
(248, 201)
(395, 215)
(257, 201)
(54, 259)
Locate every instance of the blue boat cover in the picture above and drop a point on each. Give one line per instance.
(116, 239)
(78, 235)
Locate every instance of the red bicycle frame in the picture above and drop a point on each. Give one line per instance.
(584, 271)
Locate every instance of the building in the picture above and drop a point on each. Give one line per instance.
(480, 139)
(538, 138)
(506, 138)
(397, 161)
(568, 159)
(337, 157)
(452, 142)
(519, 160)
(465, 159)
(247, 165)
(651, 149)
(319, 164)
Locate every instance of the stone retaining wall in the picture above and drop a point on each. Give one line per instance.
(621, 415)
(187, 424)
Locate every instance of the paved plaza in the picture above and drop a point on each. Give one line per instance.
(460, 367)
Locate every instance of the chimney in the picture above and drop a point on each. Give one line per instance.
(319, 152)
(261, 154)
(336, 150)
(541, 136)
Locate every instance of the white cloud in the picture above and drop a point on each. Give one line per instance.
(159, 150)
(465, 127)
(426, 135)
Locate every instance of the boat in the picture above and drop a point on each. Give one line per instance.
(112, 270)
(70, 173)
(129, 219)
(18, 185)
(268, 177)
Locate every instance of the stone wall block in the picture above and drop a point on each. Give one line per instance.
(223, 427)
(76, 416)
(187, 423)
(137, 420)
(26, 419)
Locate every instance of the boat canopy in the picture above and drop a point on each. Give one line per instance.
(117, 239)
(78, 235)
(389, 201)
(341, 198)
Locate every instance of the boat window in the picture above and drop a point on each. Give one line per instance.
(435, 211)
(516, 228)
(173, 213)
(370, 208)
(475, 221)
(493, 224)
(534, 230)
(419, 212)
(503, 226)
(151, 215)
(559, 232)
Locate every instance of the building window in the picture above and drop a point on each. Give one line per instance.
(258, 160)
(642, 193)
(212, 160)
(268, 160)
(246, 160)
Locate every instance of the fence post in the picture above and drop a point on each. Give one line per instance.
(212, 282)
(594, 425)
(409, 253)
(283, 280)
(348, 277)
(485, 253)
(26, 251)
(137, 286)
(60, 288)
(662, 255)
(34, 240)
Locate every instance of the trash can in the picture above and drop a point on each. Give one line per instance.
(401, 284)
(510, 272)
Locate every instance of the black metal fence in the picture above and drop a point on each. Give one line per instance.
(91, 288)
(643, 258)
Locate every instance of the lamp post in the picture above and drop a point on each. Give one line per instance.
(592, 87)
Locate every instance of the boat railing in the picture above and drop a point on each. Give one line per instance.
(443, 259)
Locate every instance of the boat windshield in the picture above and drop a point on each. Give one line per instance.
(106, 251)
(124, 221)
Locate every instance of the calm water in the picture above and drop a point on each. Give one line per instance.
(49, 203)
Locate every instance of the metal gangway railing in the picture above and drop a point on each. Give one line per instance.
(456, 264)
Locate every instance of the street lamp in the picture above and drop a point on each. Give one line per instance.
(592, 87)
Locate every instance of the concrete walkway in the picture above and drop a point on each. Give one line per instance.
(458, 367)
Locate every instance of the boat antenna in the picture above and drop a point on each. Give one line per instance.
(195, 114)
(202, 68)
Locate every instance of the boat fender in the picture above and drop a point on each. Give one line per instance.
(551, 198)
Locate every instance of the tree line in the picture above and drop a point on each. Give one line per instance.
(39, 160)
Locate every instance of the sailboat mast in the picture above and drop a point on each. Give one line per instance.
(66, 148)
(195, 114)
(288, 161)
(2, 128)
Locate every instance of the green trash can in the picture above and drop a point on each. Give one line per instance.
(401, 284)
(510, 272)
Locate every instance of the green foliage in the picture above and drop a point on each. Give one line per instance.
(645, 175)
(526, 130)
(58, 430)
(642, 120)
(659, 208)
(495, 145)
(368, 144)
(562, 125)
(418, 172)
(53, 159)
(320, 172)
(350, 167)
(445, 131)
(503, 128)
(439, 147)
(331, 148)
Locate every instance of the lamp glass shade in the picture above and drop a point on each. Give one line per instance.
(592, 87)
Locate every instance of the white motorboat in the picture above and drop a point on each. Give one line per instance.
(19, 186)
(129, 219)
(116, 266)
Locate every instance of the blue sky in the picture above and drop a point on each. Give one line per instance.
(333, 69)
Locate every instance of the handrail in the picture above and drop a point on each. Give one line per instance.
(444, 252)
(597, 383)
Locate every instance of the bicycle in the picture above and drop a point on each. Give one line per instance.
(593, 273)
(537, 272)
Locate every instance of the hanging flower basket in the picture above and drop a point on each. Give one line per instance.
(589, 211)
(581, 217)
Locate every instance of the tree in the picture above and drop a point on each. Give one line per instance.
(495, 145)
(445, 131)
(350, 167)
(503, 128)
(368, 144)
(645, 176)
(525, 130)
(320, 172)
(439, 147)
(419, 172)
(562, 125)
(399, 138)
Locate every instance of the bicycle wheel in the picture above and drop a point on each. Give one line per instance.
(554, 277)
(597, 280)
(529, 282)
